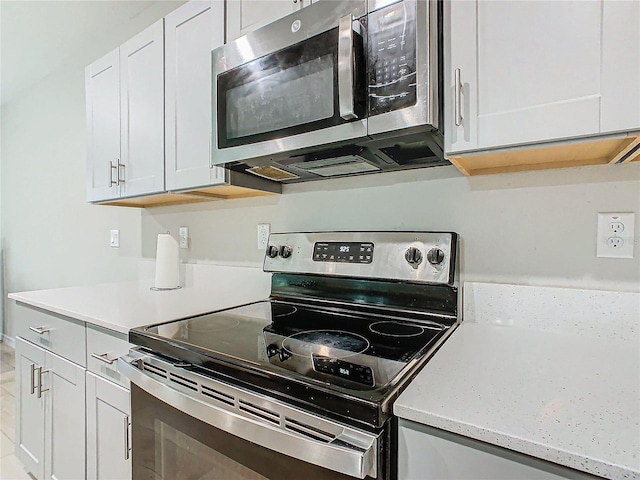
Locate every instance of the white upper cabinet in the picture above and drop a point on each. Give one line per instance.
(191, 32)
(102, 83)
(243, 16)
(125, 119)
(142, 112)
(527, 72)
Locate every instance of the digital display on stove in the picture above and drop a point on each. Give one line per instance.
(350, 371)
(344, 252)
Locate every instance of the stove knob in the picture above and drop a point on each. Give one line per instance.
(272, 350)
(285, 251)
(272, 251)
(435, 256)
(413, 256)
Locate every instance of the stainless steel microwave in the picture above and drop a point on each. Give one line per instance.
(339, 87)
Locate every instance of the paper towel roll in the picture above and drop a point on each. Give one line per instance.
(167, 262)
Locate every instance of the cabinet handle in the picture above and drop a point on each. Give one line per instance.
(457, 100)
(127, 447)
(120, 165)
(40, 389)
(40, 330)
(112, 167)
(33, 378)
(104, 357)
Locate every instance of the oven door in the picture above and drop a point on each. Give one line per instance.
(198, 427)
(296, 83)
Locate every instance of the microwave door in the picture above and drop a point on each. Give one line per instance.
(305, 94)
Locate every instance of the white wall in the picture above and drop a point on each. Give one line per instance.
(535, 228)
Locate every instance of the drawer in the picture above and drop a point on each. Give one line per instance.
(56, 333)
(103, 348)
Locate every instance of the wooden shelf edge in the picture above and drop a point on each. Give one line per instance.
(630, 153)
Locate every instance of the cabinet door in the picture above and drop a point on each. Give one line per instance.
(620, 67)
(102, 89)
(108, 425)
(65, 422)
(534, 74)
(30, 410)
(243, 16)
(142, 112)
(191, 32)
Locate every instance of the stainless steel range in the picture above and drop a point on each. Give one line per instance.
(302, 384)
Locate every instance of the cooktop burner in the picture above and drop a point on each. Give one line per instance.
(325, 343)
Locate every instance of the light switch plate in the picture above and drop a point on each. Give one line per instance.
(615, 235)
(114, 239)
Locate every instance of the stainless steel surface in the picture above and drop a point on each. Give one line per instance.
(388, 261)
(425, 111)
(319, 18)
(256, 418)
(345, 68)
(39, 388)
(111, 169)
(127, 448)
(457, 100)
(373, 5)
(40, 330)
(33, 378)
(104, 357)
(120, 165)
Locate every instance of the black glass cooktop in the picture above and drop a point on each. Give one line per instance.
(275, 344)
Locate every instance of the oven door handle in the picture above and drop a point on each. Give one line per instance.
(346, 68)
(355, 458)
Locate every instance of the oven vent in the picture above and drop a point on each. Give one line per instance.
(259, 412)
(185, 382)
(308, 431)
(217, 395)
(161, 372)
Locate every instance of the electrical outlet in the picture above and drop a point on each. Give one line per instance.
(115, 238)
(615, 235)
(183, 232)
(263, 235)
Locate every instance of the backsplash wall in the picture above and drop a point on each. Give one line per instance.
(534, 228)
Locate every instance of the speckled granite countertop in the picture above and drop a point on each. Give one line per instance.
(122, 306)
(570, 399)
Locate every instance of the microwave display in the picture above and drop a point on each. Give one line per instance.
(392, 58)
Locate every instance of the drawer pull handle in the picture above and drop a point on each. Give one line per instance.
(40, 389)
(127, 447)
(104, 357)
(40, 330)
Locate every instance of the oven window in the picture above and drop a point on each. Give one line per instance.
(285, 93)
(169, 444)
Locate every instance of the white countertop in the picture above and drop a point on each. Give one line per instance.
(572, 400)
(122, 306)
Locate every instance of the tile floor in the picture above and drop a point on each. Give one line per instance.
(10, 466)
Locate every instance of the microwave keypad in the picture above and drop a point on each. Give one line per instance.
(392, 58)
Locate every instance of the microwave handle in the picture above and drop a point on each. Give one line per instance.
(345, 68)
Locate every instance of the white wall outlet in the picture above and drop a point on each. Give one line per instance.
(183, 232)
(114, 240)
(263, 235)
(615, 235)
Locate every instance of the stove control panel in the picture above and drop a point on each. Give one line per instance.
(349, 252)
(347, 370)
(416, 257)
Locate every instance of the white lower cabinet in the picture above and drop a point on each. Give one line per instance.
(50, 427)
(426, 452)
(108, 430)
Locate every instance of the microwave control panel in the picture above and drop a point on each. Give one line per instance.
(392, 58)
